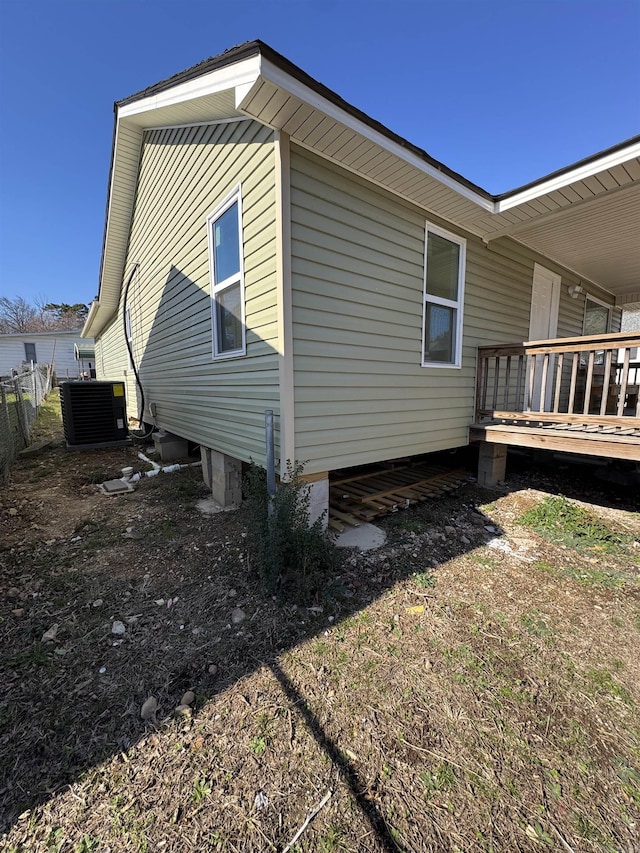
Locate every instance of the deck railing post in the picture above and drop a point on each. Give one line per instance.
(507, 382)
(623, 383)
(606, 379)
(520, 406)
(556, 399)
(496, 381)
(484, 381)
(589, 383)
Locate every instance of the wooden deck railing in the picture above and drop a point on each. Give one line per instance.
(593, 379)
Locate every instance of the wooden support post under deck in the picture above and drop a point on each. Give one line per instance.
(492, 463)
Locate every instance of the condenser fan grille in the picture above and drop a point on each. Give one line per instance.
(94, 414)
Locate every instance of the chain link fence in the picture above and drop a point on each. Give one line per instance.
(20, 400)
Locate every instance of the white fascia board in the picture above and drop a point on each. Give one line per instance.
(241, 73)
(280, 78)
(108, 297)
(570, 177)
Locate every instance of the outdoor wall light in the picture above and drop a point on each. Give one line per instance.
(575, 290)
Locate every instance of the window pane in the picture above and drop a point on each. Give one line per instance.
(30, 353)
(439, 333)
(226, 244)
(596, 319)
(229, 319)
(443, 258)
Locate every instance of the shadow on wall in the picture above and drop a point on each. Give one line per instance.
(218, 403)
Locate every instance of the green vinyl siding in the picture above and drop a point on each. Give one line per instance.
(357, 283)
(184, 174)
(112, 362)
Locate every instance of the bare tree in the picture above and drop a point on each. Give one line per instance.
(17, 315)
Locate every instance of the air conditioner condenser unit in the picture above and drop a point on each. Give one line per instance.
(94, 414)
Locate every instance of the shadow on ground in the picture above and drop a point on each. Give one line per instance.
(193, 618)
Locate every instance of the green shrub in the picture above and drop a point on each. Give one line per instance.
(294, 559)
(565, 523)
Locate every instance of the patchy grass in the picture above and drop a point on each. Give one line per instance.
(565, 523)
(451, 696)
(588, 575)
(47, 425)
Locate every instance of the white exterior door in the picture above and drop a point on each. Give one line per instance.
(545, 301)
(543, 324)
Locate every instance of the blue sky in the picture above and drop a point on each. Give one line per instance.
(502, 91)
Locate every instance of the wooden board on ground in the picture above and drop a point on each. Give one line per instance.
(359, 498)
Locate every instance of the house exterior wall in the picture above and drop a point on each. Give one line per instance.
(12, 352)
(112, 361)
(184, 174)
(361, 394)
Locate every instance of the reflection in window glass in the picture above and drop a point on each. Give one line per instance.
(442, 267)
(226, 245)
(439, 334)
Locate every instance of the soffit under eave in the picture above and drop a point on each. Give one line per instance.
(612, 276)
(622, 178)
(325, 135)
(216, 106)
(597, 240)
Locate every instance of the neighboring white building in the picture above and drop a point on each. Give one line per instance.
(55, 348)
(631, 323)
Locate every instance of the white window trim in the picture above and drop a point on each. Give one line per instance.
(129, 330)
(457, 305)
(234, 196)
(591, 298)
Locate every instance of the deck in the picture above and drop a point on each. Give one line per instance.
(578, 395)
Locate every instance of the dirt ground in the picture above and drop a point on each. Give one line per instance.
(471, 686)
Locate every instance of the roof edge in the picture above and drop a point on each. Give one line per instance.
(565, 170)
(257, 47)
(213, 63)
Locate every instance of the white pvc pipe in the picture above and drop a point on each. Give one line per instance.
(150, 461)
(157, 469)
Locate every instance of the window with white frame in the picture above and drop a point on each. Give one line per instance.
(224, 227)
(597, 316)
(444, 266)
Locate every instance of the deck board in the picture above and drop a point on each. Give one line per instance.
(591, 439)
